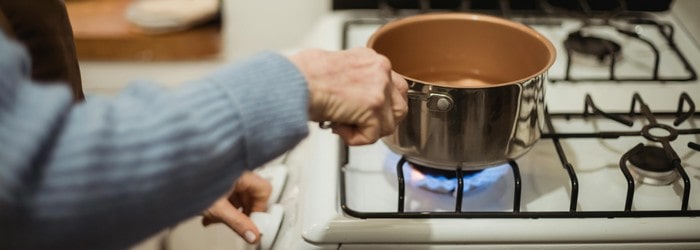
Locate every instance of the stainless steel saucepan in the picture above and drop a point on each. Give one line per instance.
(476, 88)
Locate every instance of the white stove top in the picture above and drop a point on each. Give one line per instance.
(545, 188)
(370, 182)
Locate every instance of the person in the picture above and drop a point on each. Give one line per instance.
(43, 27)
(109, 172)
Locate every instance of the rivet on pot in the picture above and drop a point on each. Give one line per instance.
(443, 104)
(440, 102)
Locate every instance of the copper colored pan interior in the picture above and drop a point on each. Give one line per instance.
(463, 50)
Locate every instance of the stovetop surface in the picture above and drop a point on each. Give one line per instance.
(367, 183)
(545, 182)
(596, 159)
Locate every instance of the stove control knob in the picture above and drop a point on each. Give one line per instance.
(268, 224)
(277, 176)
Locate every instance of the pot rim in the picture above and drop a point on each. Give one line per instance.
(476, 17)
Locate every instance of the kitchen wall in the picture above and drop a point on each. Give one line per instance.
(687, 10)
(251, 26)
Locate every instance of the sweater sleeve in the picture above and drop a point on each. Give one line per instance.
(108, 172)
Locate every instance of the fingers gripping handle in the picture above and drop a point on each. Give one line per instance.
(440, 102)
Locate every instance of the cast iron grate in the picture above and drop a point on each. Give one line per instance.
(618, 17)
(665, 30)
(639, 110)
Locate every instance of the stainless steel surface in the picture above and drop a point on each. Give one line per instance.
(484, 127)
(476, 88)
(434, 101)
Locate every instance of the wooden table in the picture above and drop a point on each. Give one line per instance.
(102, 33)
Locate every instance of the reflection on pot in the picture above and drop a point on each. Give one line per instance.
(476, 88)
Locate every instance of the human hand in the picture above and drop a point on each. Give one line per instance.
(250, 193)
(355, 90)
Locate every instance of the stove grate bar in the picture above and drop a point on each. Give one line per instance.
(680, 115)
(589, 105)
(520, 215)
(402, 184)
(573, 203)
(694, 146)
(628, 176)
(460, 189)
(686, 184)
(517, 188)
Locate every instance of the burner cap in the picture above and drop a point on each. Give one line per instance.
(651, 165)
(591, 45)
(651, 158)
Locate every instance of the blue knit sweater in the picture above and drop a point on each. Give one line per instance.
(109, 172)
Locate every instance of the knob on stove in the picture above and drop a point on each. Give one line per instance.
(277, 176)
(269, 224)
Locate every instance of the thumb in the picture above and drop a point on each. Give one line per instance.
(238, 222)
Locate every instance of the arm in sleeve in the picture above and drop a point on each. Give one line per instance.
(114, 171)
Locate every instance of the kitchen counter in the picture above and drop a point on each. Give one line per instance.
(248, 27)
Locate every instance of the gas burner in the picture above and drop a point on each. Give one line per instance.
(651, 165)
(592, 45)
(445, 181)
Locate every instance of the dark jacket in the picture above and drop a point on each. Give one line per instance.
(43, 27)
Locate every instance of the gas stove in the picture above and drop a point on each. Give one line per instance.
(617, 165)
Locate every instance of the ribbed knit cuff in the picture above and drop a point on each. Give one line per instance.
(272, 97)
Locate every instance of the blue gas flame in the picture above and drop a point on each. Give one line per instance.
(473, 182)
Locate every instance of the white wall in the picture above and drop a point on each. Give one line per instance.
(254, 25)
(689, 12)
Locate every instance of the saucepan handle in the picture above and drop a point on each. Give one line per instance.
(440, 102)
(325, 124)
